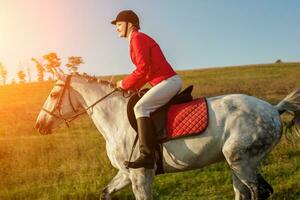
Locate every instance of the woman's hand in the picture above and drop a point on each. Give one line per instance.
(119, 85)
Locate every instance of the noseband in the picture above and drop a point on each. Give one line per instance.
(57, 113)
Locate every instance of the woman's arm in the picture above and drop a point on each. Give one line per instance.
(138, 77)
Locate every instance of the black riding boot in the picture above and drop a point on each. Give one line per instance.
(147, 141)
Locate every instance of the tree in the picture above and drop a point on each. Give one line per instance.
(24, 65)
(21, 75)
(29, 71)
(52, 61)
(3, 74)
(40, 69)
(74, 63)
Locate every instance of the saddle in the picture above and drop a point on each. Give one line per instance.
(180, 117)
(174, 118)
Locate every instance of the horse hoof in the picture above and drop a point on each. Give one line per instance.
(104, 194)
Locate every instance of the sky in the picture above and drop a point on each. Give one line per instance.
(192, 33)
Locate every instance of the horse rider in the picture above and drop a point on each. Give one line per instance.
(151, 67)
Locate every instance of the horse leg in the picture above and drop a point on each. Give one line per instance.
(243, 193)
(240, 189)
(120, 181)
(142, 180)
(244, 164)
(247, 175)
(265, 188)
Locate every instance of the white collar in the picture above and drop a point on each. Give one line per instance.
(129, 36)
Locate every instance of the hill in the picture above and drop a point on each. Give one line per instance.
(72, 163)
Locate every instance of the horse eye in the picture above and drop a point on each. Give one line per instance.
(54, 95)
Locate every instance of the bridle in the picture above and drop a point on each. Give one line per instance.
(57, 108)
(66, 87)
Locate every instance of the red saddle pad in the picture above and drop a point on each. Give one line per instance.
(189, 118)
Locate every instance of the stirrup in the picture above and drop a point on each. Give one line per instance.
(141, 162)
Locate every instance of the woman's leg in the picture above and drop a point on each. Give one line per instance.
(156, 97)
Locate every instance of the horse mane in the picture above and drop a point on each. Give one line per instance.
(94, 79)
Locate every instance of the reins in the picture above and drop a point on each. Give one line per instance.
(66, 87)
(92, 106)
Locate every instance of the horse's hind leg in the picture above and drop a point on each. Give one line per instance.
(244, 164)
(264, 187)
(245, 173)
(241, 191)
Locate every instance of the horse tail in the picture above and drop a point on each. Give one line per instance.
(291, 104)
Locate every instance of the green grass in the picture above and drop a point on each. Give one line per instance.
(72, 163)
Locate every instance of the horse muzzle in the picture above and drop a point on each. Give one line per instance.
(43, 127)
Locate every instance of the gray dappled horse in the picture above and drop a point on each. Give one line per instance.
(242, 130)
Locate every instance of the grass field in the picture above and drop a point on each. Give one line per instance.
(72, 163)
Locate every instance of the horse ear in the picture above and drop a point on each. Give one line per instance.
(59, 74)
(111, 82)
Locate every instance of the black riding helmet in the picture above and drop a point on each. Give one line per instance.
(127, 16)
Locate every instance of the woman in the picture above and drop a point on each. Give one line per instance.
(152, 67)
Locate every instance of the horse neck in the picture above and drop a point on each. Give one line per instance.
(109, 114)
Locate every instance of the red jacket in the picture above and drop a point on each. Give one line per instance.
(151, 64)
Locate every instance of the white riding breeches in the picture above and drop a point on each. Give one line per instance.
(157, 96)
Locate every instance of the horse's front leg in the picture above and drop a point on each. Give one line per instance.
(142, 180)
(120, 181)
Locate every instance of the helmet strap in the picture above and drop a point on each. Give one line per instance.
(126, 30)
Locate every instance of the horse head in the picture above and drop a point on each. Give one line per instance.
(62, 103)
